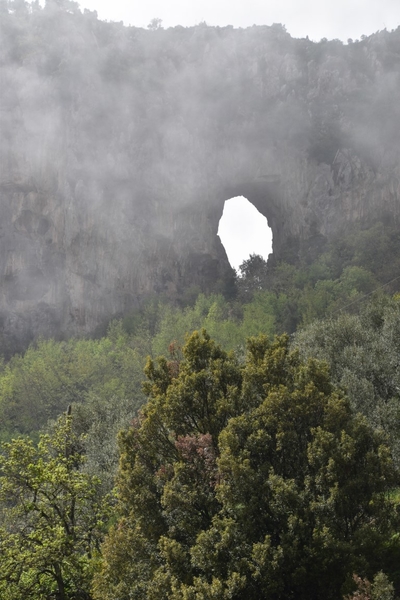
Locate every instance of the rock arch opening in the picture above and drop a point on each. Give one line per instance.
(243, 231)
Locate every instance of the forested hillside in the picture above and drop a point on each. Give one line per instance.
(291, 461)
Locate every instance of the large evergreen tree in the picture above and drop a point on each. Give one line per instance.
(247, 481)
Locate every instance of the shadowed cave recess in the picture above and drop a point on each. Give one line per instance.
(120, 147)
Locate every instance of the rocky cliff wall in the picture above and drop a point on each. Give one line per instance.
(119, 147)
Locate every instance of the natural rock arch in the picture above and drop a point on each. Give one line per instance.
(120, 147)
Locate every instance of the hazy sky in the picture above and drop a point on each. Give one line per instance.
(316, 18)
(341, 19)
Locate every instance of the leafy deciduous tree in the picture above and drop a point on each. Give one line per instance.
(51, 518)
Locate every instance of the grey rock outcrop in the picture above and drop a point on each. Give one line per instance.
(119, 147)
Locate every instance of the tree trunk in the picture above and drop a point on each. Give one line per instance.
(61, 595)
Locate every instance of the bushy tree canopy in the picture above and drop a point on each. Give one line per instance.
(246, 481)
(51, 518)
(362, 352)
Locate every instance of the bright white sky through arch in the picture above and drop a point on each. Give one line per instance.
(243, 231)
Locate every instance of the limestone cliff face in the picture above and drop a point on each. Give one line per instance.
(119, 147)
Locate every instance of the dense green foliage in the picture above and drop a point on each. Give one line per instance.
(102, 377)
(380, 589)
(363, 355)
(52, 518)
(245, 475)
(247, 480)
(51, 375)
(348, 270)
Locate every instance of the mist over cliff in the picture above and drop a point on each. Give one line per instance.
(119, 147)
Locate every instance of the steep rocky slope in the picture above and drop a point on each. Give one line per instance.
(119, 147)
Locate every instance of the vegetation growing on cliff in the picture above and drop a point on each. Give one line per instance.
(360, 350)
(215, 442)
(94, 374)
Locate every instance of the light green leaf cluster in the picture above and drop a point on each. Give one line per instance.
(51, 517)
(41, 384)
